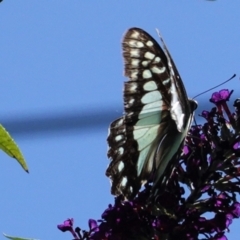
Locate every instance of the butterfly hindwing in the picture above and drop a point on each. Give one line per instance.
(157, 110)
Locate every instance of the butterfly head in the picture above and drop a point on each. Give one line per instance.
(193, 104)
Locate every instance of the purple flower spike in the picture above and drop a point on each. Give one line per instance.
(208, 166)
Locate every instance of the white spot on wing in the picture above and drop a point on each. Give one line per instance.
(134, 53)
(150, 86)
(158, 70)
(129, 103)
(151, 97)
(149, 43)
(145, 63)
(123, 182)
(157, 60)
(118, 138)
(166, 81)
(120, 166)
(120, 150)
(134, 74)
(135, 34)
(147, 74)
(135, 62)
(134, 43)
(119, 122)
(149, 55)
(132, 87)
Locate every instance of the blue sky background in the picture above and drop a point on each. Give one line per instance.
(62, 58)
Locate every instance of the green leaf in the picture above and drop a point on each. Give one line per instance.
(8, 145)
(18, 238)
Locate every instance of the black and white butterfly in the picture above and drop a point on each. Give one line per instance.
(157, 116)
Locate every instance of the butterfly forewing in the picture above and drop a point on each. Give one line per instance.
(145, 66)
(156, 109)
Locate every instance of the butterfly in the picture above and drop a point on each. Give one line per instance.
(157, 116)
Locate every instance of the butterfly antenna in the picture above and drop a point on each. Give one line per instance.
(164, 45)
(160, 36)
(234, 75)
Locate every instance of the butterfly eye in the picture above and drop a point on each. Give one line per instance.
(157, 116)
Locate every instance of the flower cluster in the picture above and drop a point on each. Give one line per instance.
(205, 179)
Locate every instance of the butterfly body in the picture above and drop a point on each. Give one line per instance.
(157, 116)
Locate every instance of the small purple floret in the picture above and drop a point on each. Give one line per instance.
(222, 95)
(66, 226)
